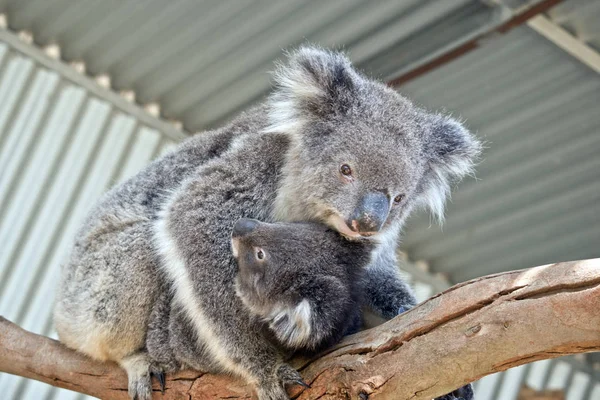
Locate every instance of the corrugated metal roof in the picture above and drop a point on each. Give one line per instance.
(61, 147)
(204, 61)
(537, 197)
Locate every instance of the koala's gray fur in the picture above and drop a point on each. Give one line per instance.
(112, 279)
(306, 285)
(171, 340)
(170, 224)
(305, 293)
(192, 237)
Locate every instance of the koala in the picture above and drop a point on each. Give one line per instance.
(329, 146)
(289, 276)
(193, 238)
(112, 280)
(302, 279)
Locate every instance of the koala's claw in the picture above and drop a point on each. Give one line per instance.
(137, 367)
(160, 377)
(403, 309)
(289, 376)
(300, 382)
(463, 393)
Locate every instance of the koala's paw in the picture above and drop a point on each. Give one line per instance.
(463, 393)
(158, 372)
(274, 389)
(137, 367)
(271, 392)
(403, 309)
(289, 376)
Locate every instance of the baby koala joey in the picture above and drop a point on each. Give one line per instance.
(303, 280)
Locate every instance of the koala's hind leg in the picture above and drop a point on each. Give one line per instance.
(386, 292)
(106, 296)
(274, 389)
(137, 367)
(158, 338)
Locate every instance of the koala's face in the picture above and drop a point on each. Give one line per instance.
(363, 156)
(362, 176)
(276, 260)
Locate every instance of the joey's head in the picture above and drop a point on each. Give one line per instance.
(278, 263)
(362, 156)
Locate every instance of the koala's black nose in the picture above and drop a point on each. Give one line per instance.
(371, 213)
(244, 226)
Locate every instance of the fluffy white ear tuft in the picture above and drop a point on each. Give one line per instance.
(452, 152)
(309, 86)
(292, 325)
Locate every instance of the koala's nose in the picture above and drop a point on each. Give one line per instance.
(244, 226)
(371, 213)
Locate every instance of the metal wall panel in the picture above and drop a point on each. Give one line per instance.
(537, 196)
(537, 193)
(61, 147)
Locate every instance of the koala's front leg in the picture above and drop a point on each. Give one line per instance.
(386, 293)
(464, 393)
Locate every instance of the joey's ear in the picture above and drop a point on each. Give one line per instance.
(451, 151)
(313, 84)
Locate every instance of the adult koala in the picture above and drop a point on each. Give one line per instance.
(330, 146)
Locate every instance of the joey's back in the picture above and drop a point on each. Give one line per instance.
(192, 236)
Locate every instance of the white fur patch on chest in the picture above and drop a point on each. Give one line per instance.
(173, 265)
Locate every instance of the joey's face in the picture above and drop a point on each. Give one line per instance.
(275, 261)
(265, 261)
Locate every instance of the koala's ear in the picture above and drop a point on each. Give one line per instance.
(452, 152)
(313, 84)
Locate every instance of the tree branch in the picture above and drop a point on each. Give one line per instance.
(471, 330)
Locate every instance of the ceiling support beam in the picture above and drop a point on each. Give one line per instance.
(517, 17)
(566, 41)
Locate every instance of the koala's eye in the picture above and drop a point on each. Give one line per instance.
(260, 254)
(398, 199)
(346, 170)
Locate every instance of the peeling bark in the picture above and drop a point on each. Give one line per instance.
(471, 330)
